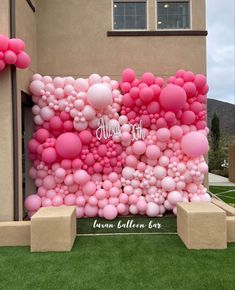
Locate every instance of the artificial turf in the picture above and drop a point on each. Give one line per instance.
(119, 262)
(226, 193)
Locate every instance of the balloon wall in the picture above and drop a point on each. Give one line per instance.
(117, 148)
(12, 52)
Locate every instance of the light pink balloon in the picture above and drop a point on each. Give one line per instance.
(163, 134)
(168, 183)
(174, 197)
(57, 200)
(32, 202)
(110, 212)
(90, 211)
(89, 188)
(36, 87)
(99, 96)
(194, 144)
(153, 152)
(70, 199)
(81, 177)
(139, 147)
(152, 209)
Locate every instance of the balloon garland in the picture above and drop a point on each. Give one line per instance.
(12, 52)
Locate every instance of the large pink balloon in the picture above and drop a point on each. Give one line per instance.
(99, 96)
(172, 98)
(110, 212)
(194, 144)
(68, 145)
(32, 202)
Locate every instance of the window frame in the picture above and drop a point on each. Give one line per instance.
(174, 29)
(147, 15)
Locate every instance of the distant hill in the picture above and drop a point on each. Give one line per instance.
(226, 113)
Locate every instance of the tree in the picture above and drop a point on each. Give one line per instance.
(215, 132)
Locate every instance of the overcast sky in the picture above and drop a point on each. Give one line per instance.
(220, 49)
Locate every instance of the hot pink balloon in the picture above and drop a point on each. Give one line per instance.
(10, 57)
(68, 145)
(172, 98)
(23, 60)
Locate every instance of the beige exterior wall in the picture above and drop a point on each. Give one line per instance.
(78, 44)
(6, 137)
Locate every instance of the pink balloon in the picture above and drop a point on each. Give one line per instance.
(2, 65)
(16, 45)
(70, 199)
(146, 94)
(194, 144)
(110, 212)
(99, 96)
(91, 211)
(200, 81)
(176, 132)
(46, 202)
(128, 75)
(89, 188)
(148, 78)
(49, 182)
(81, 177)
(174, 197)
(85, 137)
(172, 98)
(10, 57)
(141, 205)
(36, 87)
(49, 155)
(23, 60)
(188, 118)
(68, 145)
(163, 134)
(57, 200)
(139, 147)
(168, 183)
(152, 209)
(79, 212)
(153, 152)
(56, 123)
(33, 201)
(4, 40)
(190, 89)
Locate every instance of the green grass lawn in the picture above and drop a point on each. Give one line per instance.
(119, 262)
(143, 261)
(226, 193)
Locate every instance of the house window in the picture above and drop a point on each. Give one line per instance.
(173, 14)
(129, 15)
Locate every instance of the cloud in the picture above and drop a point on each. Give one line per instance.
(220, 49)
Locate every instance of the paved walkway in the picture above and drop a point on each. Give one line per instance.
(217, 180)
